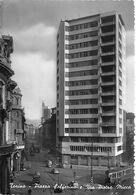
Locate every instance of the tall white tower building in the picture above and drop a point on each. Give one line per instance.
(91, 89)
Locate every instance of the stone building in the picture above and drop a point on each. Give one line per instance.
(47, 132)
(17, 126)
(7, 145)
(46, 113)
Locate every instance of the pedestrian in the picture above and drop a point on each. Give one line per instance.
(29, 191)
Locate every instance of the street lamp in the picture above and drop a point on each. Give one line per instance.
(91, 180)
(91, 164)
(108, 159)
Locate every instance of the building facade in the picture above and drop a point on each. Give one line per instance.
(91, 89)
(46, 113)
(17, 126)
(7, 145)
(48, 132)
(130, 125)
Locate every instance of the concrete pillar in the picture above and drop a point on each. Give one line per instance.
(89, 160)
(79, 160)
(99, 161)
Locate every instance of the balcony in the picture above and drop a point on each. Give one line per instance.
(108, 90)
(108, 73)
(108, 103)
(107, 40)
(7, 149)
(108, 60)
(5, 68)
(107, 30)
(108, 113)
(108, 20)
(110, 93)
(107, 124)
(108, 83)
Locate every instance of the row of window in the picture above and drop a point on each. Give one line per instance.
(82, 26)
(79, 83)
(81, 35)
(90, 149)
(108, 130)
(81, 54)
(82, 45)
(95, 139)
(81, 73)
(82, 111)
(82, 63)
(79, 102)
(81, 130)
(81, 121)
(82, 92)
(85, 157)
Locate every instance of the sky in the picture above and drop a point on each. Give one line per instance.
(33, 25)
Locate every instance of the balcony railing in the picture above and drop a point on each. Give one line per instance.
(106, 124)
(7, 149)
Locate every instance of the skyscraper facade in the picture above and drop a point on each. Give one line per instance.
(91, 86)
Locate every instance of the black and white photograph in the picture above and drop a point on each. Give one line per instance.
(67, 97)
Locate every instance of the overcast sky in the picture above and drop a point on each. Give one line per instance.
(33, 25)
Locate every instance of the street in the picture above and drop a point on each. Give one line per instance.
(37, 164)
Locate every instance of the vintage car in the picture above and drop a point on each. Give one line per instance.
(49, 163)
(36, 178)
(73, 184)
(55, 171)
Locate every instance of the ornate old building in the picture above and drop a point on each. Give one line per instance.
(17, 120)
(7, 142)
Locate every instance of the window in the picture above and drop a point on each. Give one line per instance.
(82, 92)
(81, 54)
(82, 73)
(120, 92)
(82, 26)
(81, 64)
(82, 35)
(82, 45)
(120, 120)
(79, 83)
(120, 101)
(119, 148)
(81, 121)
(120, 111)
(82, 101)
(120, 73)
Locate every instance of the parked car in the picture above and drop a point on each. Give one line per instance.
(36, 178)
(55, 171)
(57, 188)
(73, 184)
(49, 163)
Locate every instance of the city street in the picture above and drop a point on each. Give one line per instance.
(37, 164)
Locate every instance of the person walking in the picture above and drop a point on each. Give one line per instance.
(29, 191)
